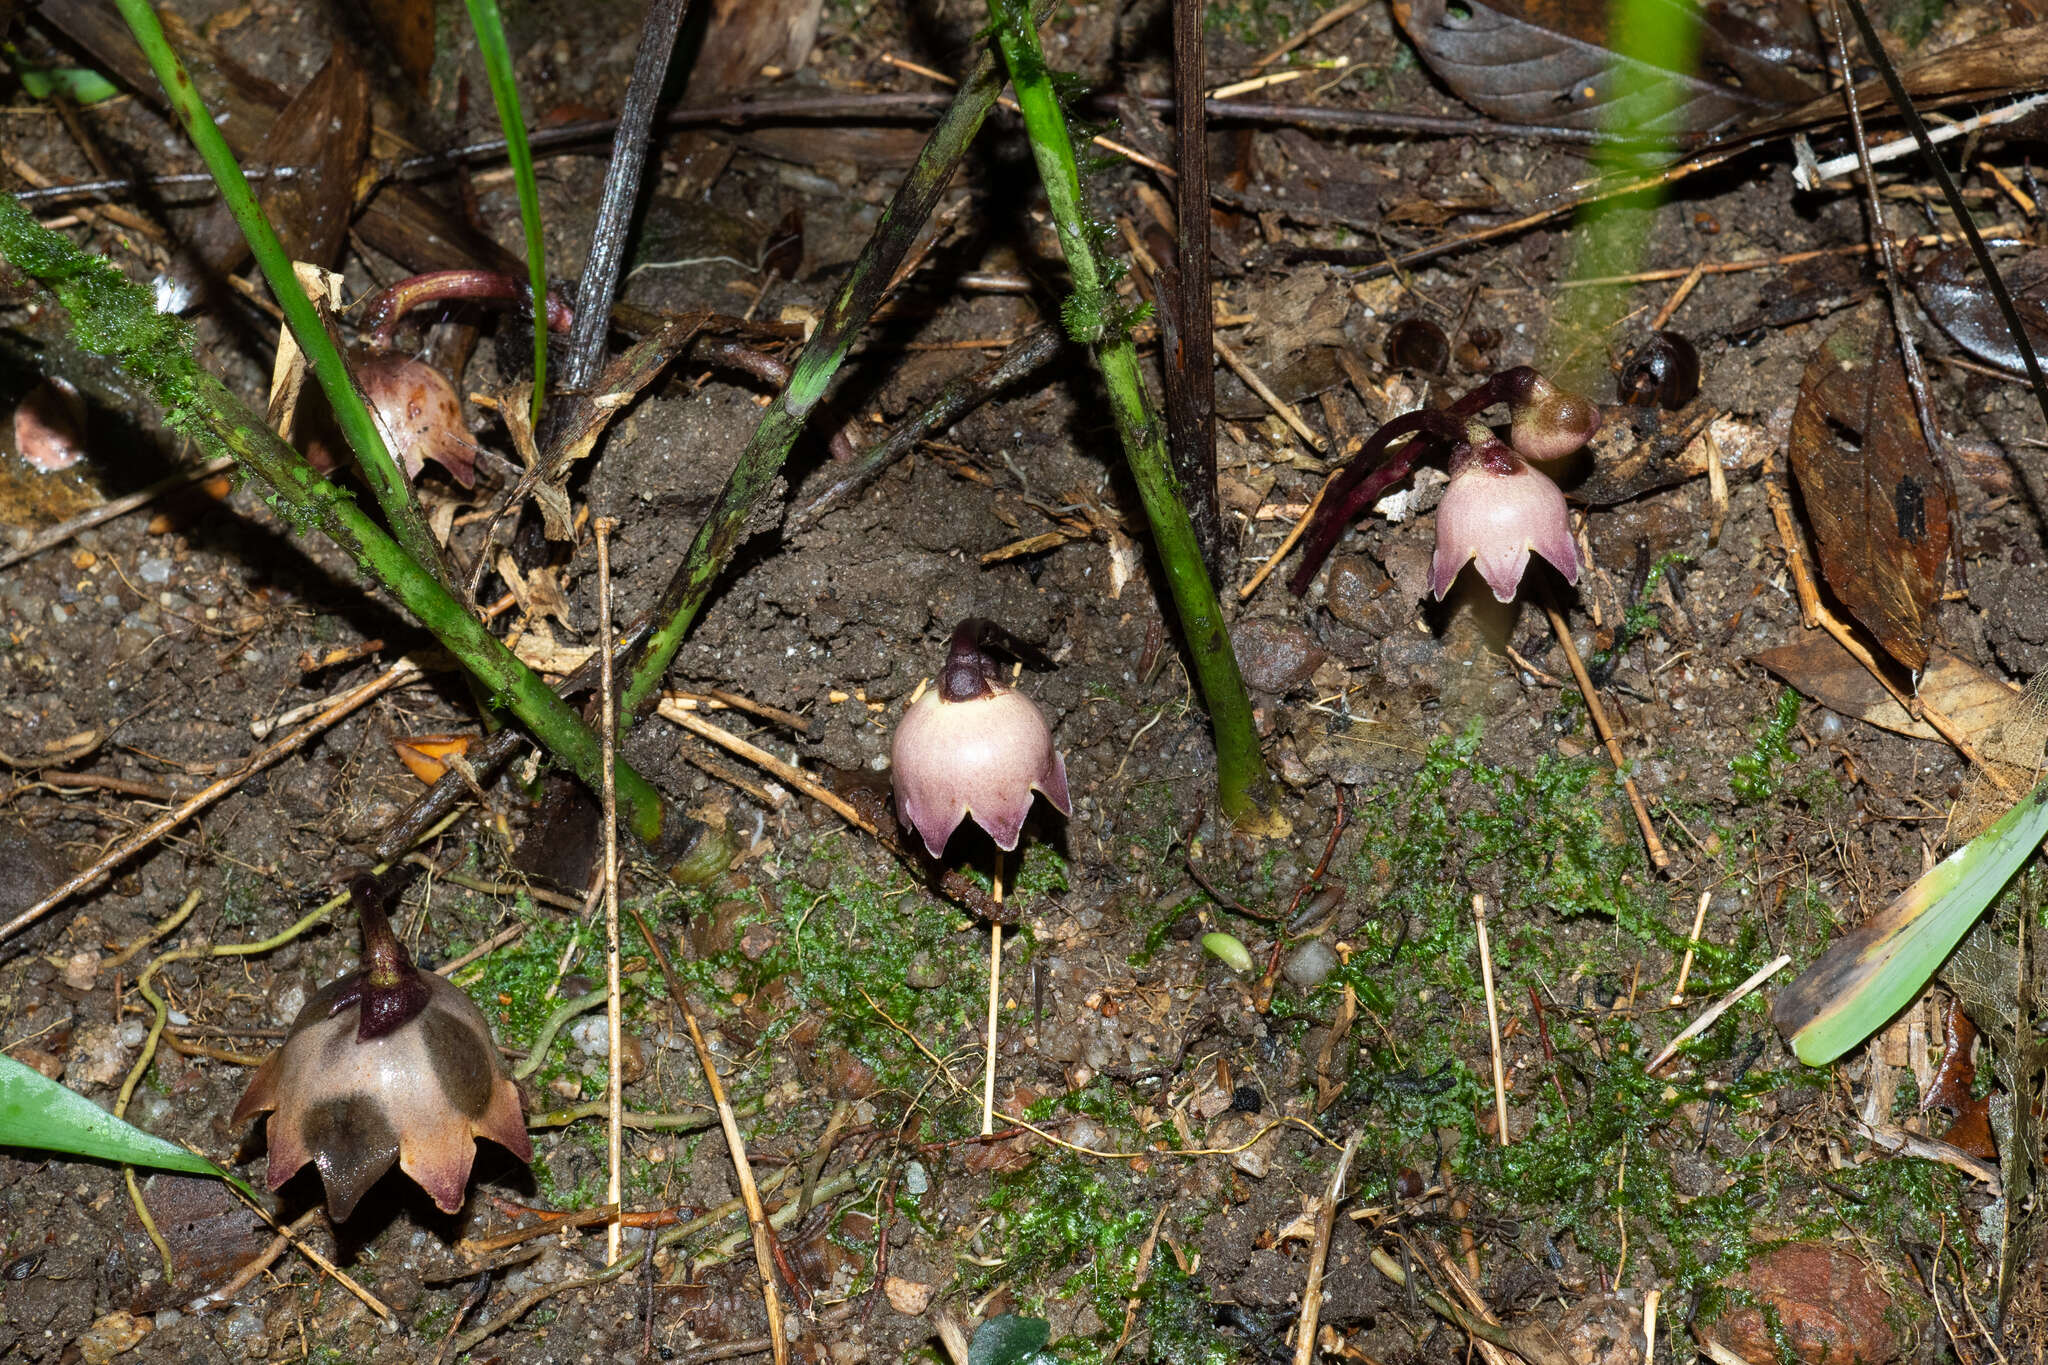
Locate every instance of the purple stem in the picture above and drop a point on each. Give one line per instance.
(1366, 477)
(382, 313)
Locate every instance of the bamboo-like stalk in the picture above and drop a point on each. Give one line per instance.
(497, 54)
(1240, 768)
(783, 420)
(323, 357)
(115, 317)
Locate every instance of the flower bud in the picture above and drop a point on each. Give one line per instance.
(971, 746)
(1549, 423)
(1496, 510)
(388, 1065)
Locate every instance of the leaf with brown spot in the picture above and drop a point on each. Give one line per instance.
(1872, 490)
(1548, 62)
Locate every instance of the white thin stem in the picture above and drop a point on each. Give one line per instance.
(995, 977)
(1500, 1086)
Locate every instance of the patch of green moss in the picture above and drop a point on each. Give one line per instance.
(1758, 773)
(1068, 1225)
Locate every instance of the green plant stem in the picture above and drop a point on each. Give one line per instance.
(497, 53)
(1240, 768)
(783, 420)
(115, 317)
(323, 357)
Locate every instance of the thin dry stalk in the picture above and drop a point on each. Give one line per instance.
(761, 758)
(102, 867)
(608, 738)
(1312, 1291)
(1500, 1087)
(1699, 922)
(1327, 21)
(750, 1194)
(121, 506)
(1650, 1323)
(1721, 1007)
(1658, 857)
(1294, 534)
(995, 977)
(1679, 295)
(1279, 405)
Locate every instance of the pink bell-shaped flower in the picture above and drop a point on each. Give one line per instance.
(971, 746)
(390, 1065)
(1496, 510)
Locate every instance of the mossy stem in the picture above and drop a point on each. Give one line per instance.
(114, 316)
(1240, 767)
(754, 473)
(323, 357)
(497, 55)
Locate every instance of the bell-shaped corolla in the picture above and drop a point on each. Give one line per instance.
(972, 747)
(389, 1065)
(1496, 510)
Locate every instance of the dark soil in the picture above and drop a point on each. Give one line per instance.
(1199, 1110)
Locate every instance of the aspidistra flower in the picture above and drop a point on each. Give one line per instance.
(389, 1065)
(971, 746)
(1497, 510)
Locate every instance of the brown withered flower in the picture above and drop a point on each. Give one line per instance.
(387, 1065)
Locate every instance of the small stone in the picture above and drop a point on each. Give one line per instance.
(591, 1035)
(908, 1297)
(47, 1064)
(154, 569)
(1275, 656)
(1310, 965)
(1824, 1304)
(82, 970)
(915, 1180)
(97, 1057)
(110, 1336)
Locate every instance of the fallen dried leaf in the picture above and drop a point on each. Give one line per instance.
(423, 755)
(1872, 490)
(1548, 62)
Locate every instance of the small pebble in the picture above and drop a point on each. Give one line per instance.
(1275, 656)
(1310, 965)
(133, 1033)
(154, 569)
(592, 1036)
(915, 1181)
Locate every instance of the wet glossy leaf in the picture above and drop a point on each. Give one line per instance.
(38, 1113)
(1548, 62)
(1953, 291)
(1872, 491)
(1010, 1340)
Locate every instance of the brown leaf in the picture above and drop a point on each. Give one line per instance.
(1953, 1087)
(1547, 62)
(405, 28)
(1979, 705)
(323, 133)
(1872, 490)
(745, 35)
(1953, 291)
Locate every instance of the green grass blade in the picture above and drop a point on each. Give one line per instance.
(1881, 965)
(394, 495)
(497, 54)
(37, 1112)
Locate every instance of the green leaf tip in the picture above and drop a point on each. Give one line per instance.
(1881, 965)
(38, 1113)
